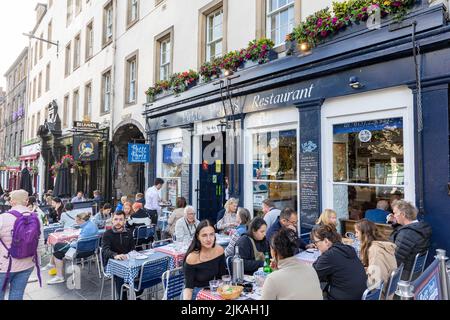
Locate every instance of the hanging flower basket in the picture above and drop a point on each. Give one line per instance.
(67, 161)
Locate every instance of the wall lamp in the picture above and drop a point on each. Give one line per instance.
(354, 83)
(164, 123)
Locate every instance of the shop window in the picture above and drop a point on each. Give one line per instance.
(171, 171)
(275, 169)
(368, 165)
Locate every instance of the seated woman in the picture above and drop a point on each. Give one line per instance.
(290, 280)
(204, 261)
(327, 217)
(56, 210)
(253, 245)
(176, 215)
(122, 201)
(68, 217)
(228, 221)
(185, 227)
(32, 204)
(377, 255)
(338, 265)
(127, 209)
(103, 216)
(88, 230)
(243, 219)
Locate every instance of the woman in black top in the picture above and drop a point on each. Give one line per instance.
(253, 245)
(338, 265)
(56, 210)
(204, 261)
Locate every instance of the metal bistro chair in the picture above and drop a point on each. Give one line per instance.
(143, 233)
(393, 281)
(419, 265)
(150, 275)
(373, 294)
(86, 250)
(104, 275)
(228, 262)
(173, 284)
(161, 243)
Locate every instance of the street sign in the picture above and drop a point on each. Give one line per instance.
(138, 153)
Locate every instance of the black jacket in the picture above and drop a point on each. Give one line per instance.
(275, 228)
(114, 243)
(248, 255)
(410, 240)
(344, 273)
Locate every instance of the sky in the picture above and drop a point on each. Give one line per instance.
(16, 17)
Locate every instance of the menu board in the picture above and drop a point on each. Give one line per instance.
(428, 286)
(185, 181)
(309, 187)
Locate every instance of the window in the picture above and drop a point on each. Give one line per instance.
(214, 34)
(172, 154)
(88, 100)
(75, 104)
(41, 45)
(280, 19)
(131, 76)
(49, 34)
(38, 120)
(76, 51)
(66, 111)
(32, 126)
(47, 77)
(165, 57)
(40, 85)
(34, 89)
(275, 168)
(16, 144)
(69, 12)
(68, 60)
(368, 163)
(35, 53)
(107, 23)
(78, 7)
(89, 40)
(133, 12)
(106, 91)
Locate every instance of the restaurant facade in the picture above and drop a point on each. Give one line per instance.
(361, 118)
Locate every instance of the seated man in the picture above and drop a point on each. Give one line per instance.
(117, 243)
(410, 235)
(379, 214)
(289, 219)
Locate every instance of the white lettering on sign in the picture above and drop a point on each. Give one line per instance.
(139, 152)
(290, 96)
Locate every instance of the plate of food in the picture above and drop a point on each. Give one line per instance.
(141, 257)
(311, 250)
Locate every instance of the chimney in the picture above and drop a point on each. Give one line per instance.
(41, 9)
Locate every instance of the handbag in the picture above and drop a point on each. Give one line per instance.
(259, 256)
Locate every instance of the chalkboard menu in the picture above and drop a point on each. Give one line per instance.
(428, 285)
(185, 188)
(309, 165)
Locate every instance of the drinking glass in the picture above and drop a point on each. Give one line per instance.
(226, 279)
(213, 285)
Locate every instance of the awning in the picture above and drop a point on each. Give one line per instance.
(29, 157)
(13, 169)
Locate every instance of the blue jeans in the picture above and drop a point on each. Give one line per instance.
(17, 284)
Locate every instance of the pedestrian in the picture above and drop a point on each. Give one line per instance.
(153, 199)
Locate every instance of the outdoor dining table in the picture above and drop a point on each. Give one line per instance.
(51, 229)
(67, 235)
(175, 251)
(308, 256)
(128, 269)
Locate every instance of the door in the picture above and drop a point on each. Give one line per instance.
(212, 177)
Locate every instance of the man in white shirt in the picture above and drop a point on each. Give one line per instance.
(270, 212)
(79, 197)
(153, 198)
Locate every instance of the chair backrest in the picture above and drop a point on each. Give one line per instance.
(152, 271)
(393, 281)
(373, 294)
(161, 243)
(306, 237)
(229, 264)
(90, 244)
(102, 266)
(173, 283)
(419, 265)
(143, 232)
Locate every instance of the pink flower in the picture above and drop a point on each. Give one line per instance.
(335, 20)
(319, 22)
(324, 33)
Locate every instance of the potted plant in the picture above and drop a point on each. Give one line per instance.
(210, 70)
(180, 82)
(260, 51)
(232, 60)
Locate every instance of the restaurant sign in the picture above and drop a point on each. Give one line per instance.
(85, 148)
(84, 125)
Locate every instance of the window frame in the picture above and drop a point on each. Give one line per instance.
(88, 54)
(133, 56)
(103, 92)
(167, 34)
(130, 21)
(108, 38)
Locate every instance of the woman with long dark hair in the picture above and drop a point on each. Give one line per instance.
(204, 260)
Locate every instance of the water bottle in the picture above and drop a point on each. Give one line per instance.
(238, 267)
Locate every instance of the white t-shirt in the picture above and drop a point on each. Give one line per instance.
(152, 199)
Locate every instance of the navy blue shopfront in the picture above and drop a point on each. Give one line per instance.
(377, 59)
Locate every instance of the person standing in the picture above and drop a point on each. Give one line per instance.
(153, 199)
(16, 271)
(270, 212)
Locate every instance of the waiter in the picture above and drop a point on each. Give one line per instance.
(152, 200)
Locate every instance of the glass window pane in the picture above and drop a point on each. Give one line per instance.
(283, 194)
(369, 152)
(273, 5)
(218, 49)
(282, 3)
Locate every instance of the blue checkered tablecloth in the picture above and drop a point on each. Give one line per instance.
(129, 271)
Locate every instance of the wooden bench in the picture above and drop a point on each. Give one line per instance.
(349, 226)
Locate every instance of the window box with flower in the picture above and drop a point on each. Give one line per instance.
(210, 70)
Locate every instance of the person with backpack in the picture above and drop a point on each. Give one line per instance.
(21, 238)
